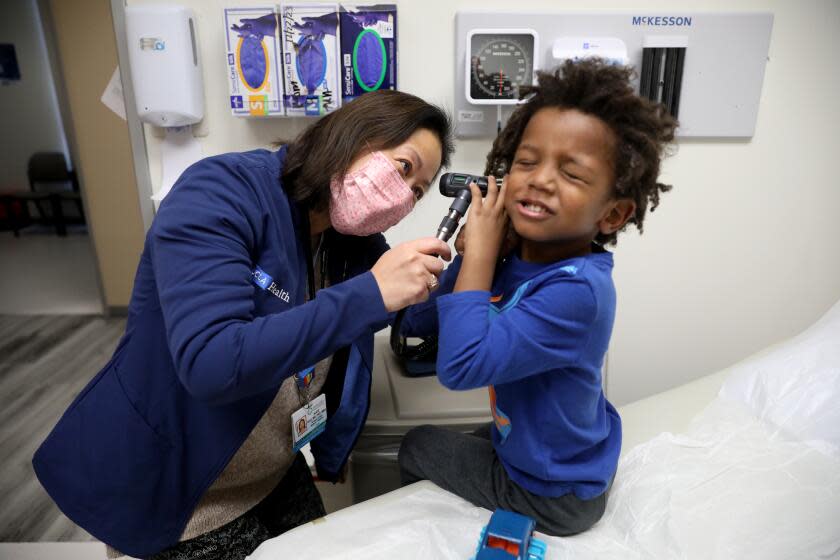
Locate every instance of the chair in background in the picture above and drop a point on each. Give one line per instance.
(54, 190)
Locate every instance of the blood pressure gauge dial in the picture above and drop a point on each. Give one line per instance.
(499, 61)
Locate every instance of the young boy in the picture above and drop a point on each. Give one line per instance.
(581, 160)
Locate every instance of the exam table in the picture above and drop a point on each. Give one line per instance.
(742, 463)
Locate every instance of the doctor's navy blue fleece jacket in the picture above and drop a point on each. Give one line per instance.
(218, 319)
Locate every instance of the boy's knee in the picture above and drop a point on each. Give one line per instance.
(582, 518)
(411, 449)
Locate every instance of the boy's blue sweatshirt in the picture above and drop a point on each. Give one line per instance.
(538, 342)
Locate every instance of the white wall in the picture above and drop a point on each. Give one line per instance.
(741, 254)
(29, 118)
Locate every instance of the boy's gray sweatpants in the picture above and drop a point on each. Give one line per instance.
(467, 465)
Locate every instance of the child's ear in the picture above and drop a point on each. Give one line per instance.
(616, 215)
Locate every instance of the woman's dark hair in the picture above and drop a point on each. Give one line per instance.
(377, 120)
(592, 86)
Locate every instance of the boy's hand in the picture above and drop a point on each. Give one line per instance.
(488, 223)
(482, 240)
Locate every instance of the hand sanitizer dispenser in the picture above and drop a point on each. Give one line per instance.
(165, 65)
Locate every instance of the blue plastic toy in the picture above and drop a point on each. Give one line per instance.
(509, 536)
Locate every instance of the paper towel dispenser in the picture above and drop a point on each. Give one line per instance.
(165, 64)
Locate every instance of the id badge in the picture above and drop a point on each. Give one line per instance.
(308, 422)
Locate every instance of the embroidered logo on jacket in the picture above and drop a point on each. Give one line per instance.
(262, 279)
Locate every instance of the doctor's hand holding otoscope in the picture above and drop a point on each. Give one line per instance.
(464, 188)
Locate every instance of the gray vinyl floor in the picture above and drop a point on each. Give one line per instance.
(42, 274)
(45, 360)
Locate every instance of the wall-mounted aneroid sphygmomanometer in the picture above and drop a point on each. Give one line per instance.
(706, 68)
(500, 61)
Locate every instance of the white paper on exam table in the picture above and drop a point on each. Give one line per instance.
(728, 487)
(739, 482)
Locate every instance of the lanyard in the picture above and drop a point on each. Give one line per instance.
(321, 255)
(302, 381)
(307, 251)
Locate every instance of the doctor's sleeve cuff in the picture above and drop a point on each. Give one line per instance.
(370, 303)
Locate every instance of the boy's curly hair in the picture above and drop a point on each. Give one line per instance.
(592, 86)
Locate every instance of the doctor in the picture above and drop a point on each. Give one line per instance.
(262, 281)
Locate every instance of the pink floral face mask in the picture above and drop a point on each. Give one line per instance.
(371, 199)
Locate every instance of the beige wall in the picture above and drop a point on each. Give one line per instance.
(742, 253)
(29, 116)
(84, 37)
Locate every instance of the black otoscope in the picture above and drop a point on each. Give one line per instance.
(457, 186)
(452, 185)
